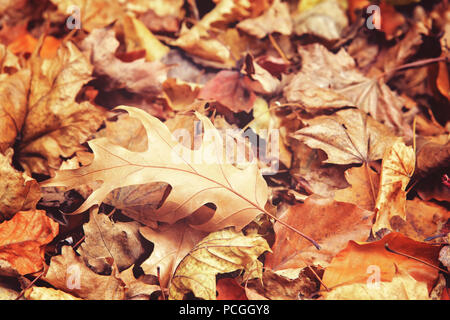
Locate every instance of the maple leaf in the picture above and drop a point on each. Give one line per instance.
(331, 223)
(220, 252)
(189, 172)
(22, 241)
(329, 80)
(39, 107)
(348, 136)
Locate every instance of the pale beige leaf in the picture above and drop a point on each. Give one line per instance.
(197, 177)
(172, 244)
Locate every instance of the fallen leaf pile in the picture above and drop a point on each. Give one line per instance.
(224, 149)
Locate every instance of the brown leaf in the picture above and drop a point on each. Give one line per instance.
(18, 192)
(22, 242)
(332, 81)
(68, 273)
(137, 289)
(39, 104)
(106, 239)
(277, 287)
(423, 220)
(348, 136)
(329, 222)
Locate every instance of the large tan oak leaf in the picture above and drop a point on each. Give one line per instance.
(197, 177)
(39, 112)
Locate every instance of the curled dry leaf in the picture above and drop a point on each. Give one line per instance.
(329, 222)
(190, 173)
(119, 241)
(171, 244)
(396, 170)
(348, 136)
(68, 273)
(137, 289)
(220, 252)
(18, 192)
(23, 240)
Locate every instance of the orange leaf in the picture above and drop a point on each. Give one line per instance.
(22, 241)
(229, 289)
(354, 263)
(23, 44)
(330, 222)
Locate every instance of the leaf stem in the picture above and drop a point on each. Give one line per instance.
(386, 245)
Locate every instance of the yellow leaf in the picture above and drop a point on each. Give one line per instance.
(42, 293)
(397, 168)
(138, 37)
(220, 252)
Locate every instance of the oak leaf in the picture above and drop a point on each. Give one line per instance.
(190, 173)
(220, 252)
